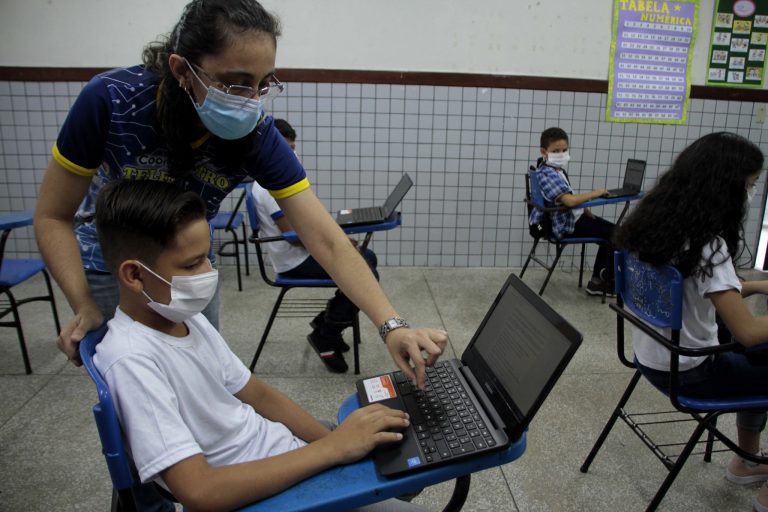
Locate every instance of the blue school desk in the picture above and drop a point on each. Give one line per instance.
(354, 485)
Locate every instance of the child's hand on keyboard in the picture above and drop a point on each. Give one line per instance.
(365, 429)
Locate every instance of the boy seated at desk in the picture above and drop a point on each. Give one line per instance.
(196, 420)
(573, 222)
(293, 260)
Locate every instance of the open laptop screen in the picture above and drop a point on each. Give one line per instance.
(397, 195)
(633, 177)
(522, 345)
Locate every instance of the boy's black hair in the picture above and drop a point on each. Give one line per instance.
(138, 219)
(285, 129)
(551, 135)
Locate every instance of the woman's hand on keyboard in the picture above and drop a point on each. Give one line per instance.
(408, 346)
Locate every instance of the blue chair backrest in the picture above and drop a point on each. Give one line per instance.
(104, 412)
(536, 195)
(653, 294)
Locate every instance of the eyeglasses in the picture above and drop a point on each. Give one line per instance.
(269, 91)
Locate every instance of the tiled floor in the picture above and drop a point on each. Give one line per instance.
(50, 456)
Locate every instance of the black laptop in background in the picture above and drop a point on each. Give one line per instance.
(375, 214)
(485, 400)
(633, 179)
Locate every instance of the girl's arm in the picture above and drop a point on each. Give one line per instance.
(745, 328)
(752, 287)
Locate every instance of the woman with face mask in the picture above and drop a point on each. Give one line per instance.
(193, 113)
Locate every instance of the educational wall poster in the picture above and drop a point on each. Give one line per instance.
(650, 64)
(737, 47)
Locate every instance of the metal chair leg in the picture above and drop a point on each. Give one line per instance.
(679, 463)
(245, 251)
(268, 327)
(460, 493)
(530, 256)
(14, 307)
(53, 302)
(356, 342)
(611, 421)
(558, 253)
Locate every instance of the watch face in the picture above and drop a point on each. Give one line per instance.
(392, 323)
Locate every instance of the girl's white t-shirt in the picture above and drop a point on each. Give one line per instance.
(699, 324)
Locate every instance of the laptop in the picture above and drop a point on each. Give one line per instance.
(375, 214)
(633, 179)
(485, 400)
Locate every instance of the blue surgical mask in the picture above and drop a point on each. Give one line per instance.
(227, 116)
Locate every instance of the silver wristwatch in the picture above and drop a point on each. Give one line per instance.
(390, 325)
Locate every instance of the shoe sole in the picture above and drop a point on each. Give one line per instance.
(745, 480)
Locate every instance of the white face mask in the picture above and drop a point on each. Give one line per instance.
(558, 159)
(189, 295)
(751, 193)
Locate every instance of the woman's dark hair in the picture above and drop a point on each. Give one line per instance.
(206, 27)
(551, 135)
(138, 219)
(701, 197)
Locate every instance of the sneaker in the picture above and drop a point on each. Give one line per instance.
(330, 357)
(339, 342)
(596, 289)
(743, 472)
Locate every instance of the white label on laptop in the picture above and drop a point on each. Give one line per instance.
(345, 212)
(379, 388)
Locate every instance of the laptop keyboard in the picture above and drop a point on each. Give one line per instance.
(443, 416)
(367, 214)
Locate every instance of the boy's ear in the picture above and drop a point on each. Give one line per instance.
(543, 152)
(128, 275)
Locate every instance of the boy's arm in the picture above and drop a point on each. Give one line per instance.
(571, 200)
(200, 486)
(275, 406)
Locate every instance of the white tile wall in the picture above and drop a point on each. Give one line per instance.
(467, 149)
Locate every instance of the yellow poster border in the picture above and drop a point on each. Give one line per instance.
(614, 33)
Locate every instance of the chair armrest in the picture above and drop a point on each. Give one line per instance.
(547, 209)
(676, 349)
(266, 239)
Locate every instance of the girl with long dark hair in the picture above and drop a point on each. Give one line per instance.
(693, 219)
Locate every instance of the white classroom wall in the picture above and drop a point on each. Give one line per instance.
(551, 38)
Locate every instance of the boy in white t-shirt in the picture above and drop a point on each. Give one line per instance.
(196, 420)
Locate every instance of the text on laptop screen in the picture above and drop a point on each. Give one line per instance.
(521, 347)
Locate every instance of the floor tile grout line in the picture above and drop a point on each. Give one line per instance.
(51, 376)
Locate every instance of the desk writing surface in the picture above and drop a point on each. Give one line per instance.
(602, 201)
(15, 219)
(386, 225)
(354, 485)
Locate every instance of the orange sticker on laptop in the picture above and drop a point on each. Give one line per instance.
(379, 388)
